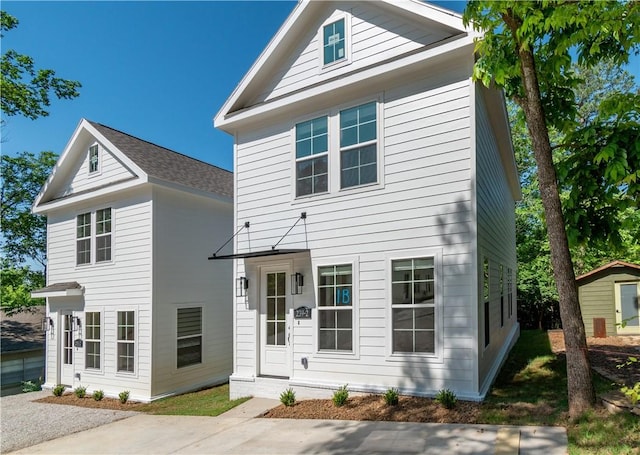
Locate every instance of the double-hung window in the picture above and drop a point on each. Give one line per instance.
(358, 146)
(126, 341)
(103, 235)
(413, 305)
(312, 155)
(92, 340)
(83, 238)
(334, 42)
(335, 308)
(510, 291)
(94, 159)
(189, 336)
(486, 295)
(501, 295)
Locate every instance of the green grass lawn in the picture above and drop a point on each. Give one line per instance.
(532, 390)
(208, 402)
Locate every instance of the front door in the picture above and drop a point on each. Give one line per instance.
(275, 325)
(628, 308)
(66, 348)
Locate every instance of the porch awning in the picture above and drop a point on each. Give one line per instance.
(258, 254)
(69, 289)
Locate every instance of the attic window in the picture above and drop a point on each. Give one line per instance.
(334, 42)
(94, 159)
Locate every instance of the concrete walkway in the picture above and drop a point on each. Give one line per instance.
(237, 432)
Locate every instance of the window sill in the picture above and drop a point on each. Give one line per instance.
(334, 355)
(414, 357)
(337, 194)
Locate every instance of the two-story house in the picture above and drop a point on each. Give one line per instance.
(132, 302)
(375, 184)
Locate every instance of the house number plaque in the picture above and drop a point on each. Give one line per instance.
(302, 312)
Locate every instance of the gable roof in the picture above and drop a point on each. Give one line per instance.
(164, 164)
(145, 161)
(297, 24)
(610, 265)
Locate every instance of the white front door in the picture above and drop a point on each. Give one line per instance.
(628, 308)
(275, 323)
(66, 348)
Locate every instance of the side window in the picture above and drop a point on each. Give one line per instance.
(358, 146)
(312, 155)
(501, 295)
(126, 341)
(413, 305)
(335, 308)
(93, 339)
(103, 235)
(189, 351)
(510, 291)
(334, 42)
(94, 159)
(486, 295)
(83, 239)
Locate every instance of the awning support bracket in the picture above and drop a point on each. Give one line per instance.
(245, 225)
(303, 216)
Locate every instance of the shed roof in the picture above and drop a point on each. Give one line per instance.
(23, 331)
(610, 265)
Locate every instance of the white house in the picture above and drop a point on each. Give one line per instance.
(132, 302)
(374, 191)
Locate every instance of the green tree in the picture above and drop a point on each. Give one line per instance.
(24, 235)
(17, 284)
(527, 49)
(24, 89)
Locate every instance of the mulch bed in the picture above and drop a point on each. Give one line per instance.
(89, 402)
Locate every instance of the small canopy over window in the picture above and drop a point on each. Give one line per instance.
(69, 289)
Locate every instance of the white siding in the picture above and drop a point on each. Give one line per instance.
(424, 204)
(187, 229)
(124, 284)
(375, 37)
(496, 240)
(111, 171)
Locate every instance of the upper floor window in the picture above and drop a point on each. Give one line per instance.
(334, 42)
(100, 240)
(94, 159)
(413, 305)
(358, 146)
(312, 154)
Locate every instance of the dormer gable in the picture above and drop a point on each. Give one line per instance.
(323, 46)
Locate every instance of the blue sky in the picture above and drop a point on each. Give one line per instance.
(157, 70)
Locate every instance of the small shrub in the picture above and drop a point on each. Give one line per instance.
(98, 395)
(447, 398)
(340, 396)
(58, 390)
(30, 386)
(124, 396)
(80, 391)
(288, 397)
(391, 396)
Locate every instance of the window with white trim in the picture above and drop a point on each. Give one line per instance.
(501, 295)
(103, 235)
(334, 42)
(92, 340)
(83, 239)
(312, 156)
(94, 159)
(335, 308)
(510, 291)
(486, 294)
(358, 145)
(413, 305)
(126, 341)
(189, 343)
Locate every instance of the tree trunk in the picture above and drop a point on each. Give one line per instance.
(580, 387)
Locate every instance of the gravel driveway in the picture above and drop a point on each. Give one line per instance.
(24, 423)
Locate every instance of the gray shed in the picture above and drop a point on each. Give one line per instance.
(609, 295)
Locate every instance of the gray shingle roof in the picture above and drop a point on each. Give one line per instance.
(170, 166)
(58, 287)
(22, 331)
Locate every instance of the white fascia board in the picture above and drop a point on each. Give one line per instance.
(85, 196)
(190, 190)
(275, 42)
(229, 122)
(65, 293)
(430, 12)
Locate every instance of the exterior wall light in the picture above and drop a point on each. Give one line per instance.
(297, 281)
(242, 284)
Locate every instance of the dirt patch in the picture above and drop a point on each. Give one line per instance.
(89, 402)
(606, 354)
(373, 407)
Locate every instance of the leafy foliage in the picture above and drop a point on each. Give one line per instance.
(30, 386)
(447, 398)
(80, 391)
(123, 396)
(24, 89)
(391, 396)
(98, 395)
(58, 390)
(17, 284)
(288, 397)
(341, 396)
